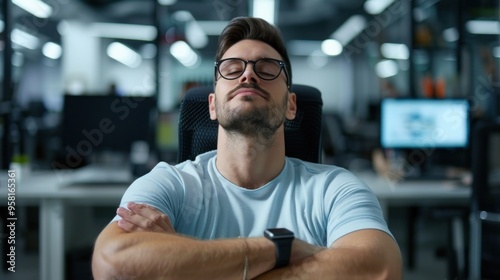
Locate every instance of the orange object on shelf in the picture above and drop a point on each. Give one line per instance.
(440, 88)
(428, 86)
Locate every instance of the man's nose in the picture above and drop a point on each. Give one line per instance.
(249, 74)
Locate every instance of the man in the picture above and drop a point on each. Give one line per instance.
(206, 219)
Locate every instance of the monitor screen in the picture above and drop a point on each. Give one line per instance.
(424, 123)
(92, 123)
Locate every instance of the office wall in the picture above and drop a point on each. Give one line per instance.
(40, 81)
(334, 80)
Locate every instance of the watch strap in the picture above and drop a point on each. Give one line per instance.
(283, 251)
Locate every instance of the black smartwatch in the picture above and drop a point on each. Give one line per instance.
(282, 239)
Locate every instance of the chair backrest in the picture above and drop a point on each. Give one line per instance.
(198, 134)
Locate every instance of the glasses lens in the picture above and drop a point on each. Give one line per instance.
(231, 68)
(267, 69)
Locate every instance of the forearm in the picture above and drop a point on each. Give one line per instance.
(149, 255)
(333, 264)
(377, 259)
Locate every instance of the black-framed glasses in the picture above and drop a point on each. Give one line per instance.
(265, 68)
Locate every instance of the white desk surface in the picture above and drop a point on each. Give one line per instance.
(91, 185)
(86, 186)
(414, 190)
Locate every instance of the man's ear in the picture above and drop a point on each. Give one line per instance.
(211, 106)
(292, 106)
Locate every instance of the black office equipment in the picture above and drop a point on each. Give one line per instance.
(485, 202)
(93, 124)
(198, 134)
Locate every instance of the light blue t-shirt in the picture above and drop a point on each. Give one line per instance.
(318, 202)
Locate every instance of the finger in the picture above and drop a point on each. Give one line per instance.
(127, 216)
(126, 222)
(152, 214)
(127, 226)
(138, 221)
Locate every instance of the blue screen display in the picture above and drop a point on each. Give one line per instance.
(424, 123)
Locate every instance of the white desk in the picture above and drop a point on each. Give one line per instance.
(53, 191)
(416, 192)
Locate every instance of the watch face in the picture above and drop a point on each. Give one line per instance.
(278, 233)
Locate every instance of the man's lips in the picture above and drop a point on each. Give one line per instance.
(244, 91)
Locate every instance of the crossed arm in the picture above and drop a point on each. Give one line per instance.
(144, 245)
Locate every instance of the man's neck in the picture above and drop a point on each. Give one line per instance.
(250, 162)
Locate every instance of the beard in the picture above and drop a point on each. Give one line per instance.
(259, 122)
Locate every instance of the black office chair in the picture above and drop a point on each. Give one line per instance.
(485, 207)
(198, 134)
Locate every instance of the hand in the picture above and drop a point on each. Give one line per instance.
(142, 217)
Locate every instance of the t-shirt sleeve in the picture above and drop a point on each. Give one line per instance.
(351, 205)
(161, 188)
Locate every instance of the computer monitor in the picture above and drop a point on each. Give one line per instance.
(427, 136)
(98, 123)
(424, 123)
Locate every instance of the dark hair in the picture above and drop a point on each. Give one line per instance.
(241, 28)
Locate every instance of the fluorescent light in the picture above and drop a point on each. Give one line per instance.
(331, 47)
(182, 16)
(195, 35)
(395, 51)
(349, 29)
(264, 9)
(52, 50)
(2, 26)
(184, 54)
(386, 68)
(62, 27)
(124, 54)
(167, 2)
(24, 39)
(450, 34)
(496, 52)
(125, 31)
(420, 14)
(34, 7)
(18, 59)
(375, 7)
(487, 27)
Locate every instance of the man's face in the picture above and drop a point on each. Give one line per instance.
(250, 105)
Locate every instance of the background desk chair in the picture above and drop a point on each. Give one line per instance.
(485, 207)
(198, 134)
